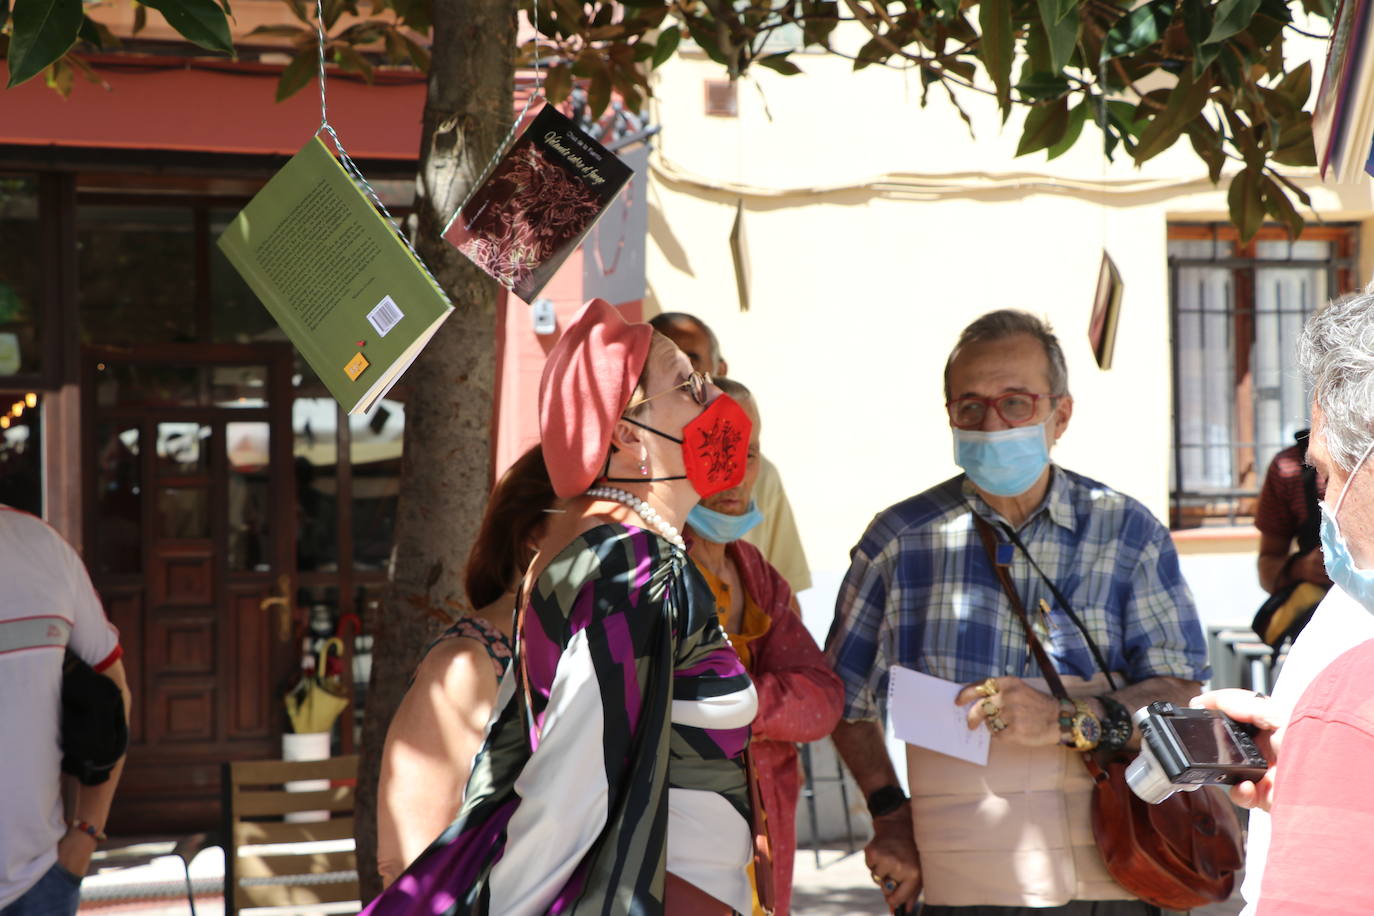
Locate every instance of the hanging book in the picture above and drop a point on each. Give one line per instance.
(533, 210)
(347, 290)
(1106, 312)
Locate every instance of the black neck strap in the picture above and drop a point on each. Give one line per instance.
(656, 433)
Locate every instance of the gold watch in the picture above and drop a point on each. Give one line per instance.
(1078, 727)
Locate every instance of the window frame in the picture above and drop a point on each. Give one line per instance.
(1342, 271)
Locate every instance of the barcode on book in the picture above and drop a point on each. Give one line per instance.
(385, 316)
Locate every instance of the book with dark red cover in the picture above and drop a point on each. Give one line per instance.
(540, 200)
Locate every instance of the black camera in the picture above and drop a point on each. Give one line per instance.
(1184, 749)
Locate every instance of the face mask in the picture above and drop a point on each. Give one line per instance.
(714, 447)
(720, 528)
(1340, 565)
(1007, 462)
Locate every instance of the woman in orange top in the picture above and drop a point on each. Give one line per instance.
(800, 698)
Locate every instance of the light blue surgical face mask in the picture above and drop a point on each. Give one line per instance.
(1006, 462)
(720, 528)
(1340, 565)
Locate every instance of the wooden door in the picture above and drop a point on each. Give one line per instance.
(190, 527)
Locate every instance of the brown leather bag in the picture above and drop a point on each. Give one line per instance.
(1179, 854)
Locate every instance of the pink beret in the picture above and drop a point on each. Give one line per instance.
(588, 379)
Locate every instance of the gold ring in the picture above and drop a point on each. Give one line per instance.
(877, 878)
(987, 688)
(889, 885)
(990, 708)
(996, 724)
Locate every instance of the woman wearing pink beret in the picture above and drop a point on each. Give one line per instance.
(612, 778)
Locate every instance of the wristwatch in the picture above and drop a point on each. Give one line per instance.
(1078, 727)
(886, 800)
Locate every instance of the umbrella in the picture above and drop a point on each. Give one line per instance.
(315, 702)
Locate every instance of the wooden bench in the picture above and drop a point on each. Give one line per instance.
(272, 862)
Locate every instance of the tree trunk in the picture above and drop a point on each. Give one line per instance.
(446, 466)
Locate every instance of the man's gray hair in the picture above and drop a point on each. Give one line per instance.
(1005, 323)
(1336, 353)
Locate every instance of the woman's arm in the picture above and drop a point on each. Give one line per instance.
(429, 749)
(800, 697)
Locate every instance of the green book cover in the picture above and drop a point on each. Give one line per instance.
(358, 305)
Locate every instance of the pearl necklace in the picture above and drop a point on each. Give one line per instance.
(643, 510)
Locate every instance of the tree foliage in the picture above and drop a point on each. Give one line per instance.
(1148, 76)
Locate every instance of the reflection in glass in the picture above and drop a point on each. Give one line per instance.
(127, 384)
(314, 428)
(183, 512)
(236, 314)
(375, 451)
(250, 531)
(181, 449)
(118, 511)
(136, 273)
(21, 466)
(20, 281)
(239, 386)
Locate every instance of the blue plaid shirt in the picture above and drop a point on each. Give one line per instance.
(921, 593)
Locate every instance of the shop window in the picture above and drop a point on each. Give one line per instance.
(1237, 310)
(136, 273)
(21, 281)
(21, 452)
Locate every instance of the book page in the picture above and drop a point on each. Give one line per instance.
(923, 713)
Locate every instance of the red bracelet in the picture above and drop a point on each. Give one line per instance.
(89, 829)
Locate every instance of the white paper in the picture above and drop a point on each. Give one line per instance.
(923, 713)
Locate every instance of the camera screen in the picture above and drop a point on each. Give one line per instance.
(1207, 741)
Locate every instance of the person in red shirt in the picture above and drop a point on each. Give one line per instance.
(1322, 838)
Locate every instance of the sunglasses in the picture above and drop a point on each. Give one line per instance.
(696, 384)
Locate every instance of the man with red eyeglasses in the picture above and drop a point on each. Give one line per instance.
(1014, 836)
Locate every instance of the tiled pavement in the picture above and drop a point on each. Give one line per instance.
(839, 887)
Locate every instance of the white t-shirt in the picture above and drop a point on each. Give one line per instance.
(1339, 624)
(46, 604)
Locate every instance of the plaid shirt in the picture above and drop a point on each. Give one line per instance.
(921, 593)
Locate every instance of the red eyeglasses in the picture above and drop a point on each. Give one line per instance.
(1015, 408)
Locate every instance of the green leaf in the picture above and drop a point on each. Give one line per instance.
(1078, 116)
(1296, 85)
(351, 60)
(1277, 205)
(996, 47)
(598, 94)
(704, 35)
(949, 7)
(667, 43)
(281, 31)
(200, 22)
(4, 12)
(1207, 144)
(780, 63)
(41, 31)
(1294, 146)
(418, 55)
(1246, 206)
(1197, 21)
(97, 33)
(1138, 29)
(140, 18)
(1045, 126)
(1186, 102)
(558, 83)
(303, 68)
(1232, 16)
(1041, 86)
(1061, 30)
(821, 19)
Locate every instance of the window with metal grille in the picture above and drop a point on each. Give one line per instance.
(1237, 310)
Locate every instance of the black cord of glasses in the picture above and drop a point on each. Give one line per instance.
(1063, 602)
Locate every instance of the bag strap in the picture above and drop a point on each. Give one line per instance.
(989, 539)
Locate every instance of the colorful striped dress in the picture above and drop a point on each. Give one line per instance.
(616, 750)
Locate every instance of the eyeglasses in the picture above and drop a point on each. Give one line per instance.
(1015, 408)
(696, 384)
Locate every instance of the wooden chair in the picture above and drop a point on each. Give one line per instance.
(269, 861)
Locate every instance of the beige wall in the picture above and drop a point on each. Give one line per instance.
(876, 230)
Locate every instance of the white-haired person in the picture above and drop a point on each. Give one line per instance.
(1312, 852)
